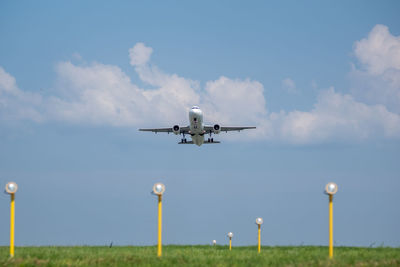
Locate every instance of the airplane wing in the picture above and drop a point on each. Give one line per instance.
(166, 130)
(228, 128)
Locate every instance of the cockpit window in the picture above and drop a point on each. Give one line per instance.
(195, 107)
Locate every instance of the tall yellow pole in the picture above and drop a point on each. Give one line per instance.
(230, 243)
(159, 246)
(12, 221)
(330, 226)
(259, 238)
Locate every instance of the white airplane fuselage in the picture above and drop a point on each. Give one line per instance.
(196, 126)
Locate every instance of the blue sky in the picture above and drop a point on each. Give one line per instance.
(321, 81)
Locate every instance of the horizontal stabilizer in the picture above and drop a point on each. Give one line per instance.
(213, 142)
(186, 143)
(205, 142)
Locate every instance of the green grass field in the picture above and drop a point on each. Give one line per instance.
(199, 256)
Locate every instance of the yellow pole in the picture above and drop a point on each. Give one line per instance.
(259, 238)
(330, 226)
(230, 243)
(159, 247)
(12, 221)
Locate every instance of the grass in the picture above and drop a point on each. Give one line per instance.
(199, 256)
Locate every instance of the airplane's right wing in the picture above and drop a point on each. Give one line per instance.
(166, 130)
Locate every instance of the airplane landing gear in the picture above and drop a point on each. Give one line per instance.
(183, 140)
(210, 139)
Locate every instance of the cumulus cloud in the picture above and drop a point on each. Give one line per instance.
(335, 117)
(96, 94)
(376, 80)
(234, 101)
(140, 54)
(101, 94)
(380, 51)
(16, 104)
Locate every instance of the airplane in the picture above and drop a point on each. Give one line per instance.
(197, 129)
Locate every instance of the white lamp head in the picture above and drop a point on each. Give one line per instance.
(331, 188)
(230, 234)
(259, 221)
(158, 189)
(214, 242)
(11, 188)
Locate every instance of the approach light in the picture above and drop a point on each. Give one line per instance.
(230, 235)
(158, 189)
(214, 242)
(259, 221)
(11, 188)
(331, 188)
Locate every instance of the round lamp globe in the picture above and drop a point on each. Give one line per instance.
(259, 221)
(331, 188)
(158, 189)
(11, 188)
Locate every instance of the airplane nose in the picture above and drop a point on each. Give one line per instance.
(197, 112)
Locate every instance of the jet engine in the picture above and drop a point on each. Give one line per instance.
(176, 129)
(217, 128)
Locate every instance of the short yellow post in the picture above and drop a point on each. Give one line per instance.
(12, 224)
(11, 188)
(259, 238)
(330, 226)
(259, 221)
(230, 235)
(331, 189)
(159, 189)
(159, 243)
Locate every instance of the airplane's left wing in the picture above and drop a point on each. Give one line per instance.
(228, 128)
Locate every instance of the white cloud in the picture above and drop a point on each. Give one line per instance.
(380, 51)
(234, 101)
(289, 85)
(377, 80)
(16, 104)
(102, 94)
(96, 94)
(8, 85)
(335, 117)
(140, 54)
